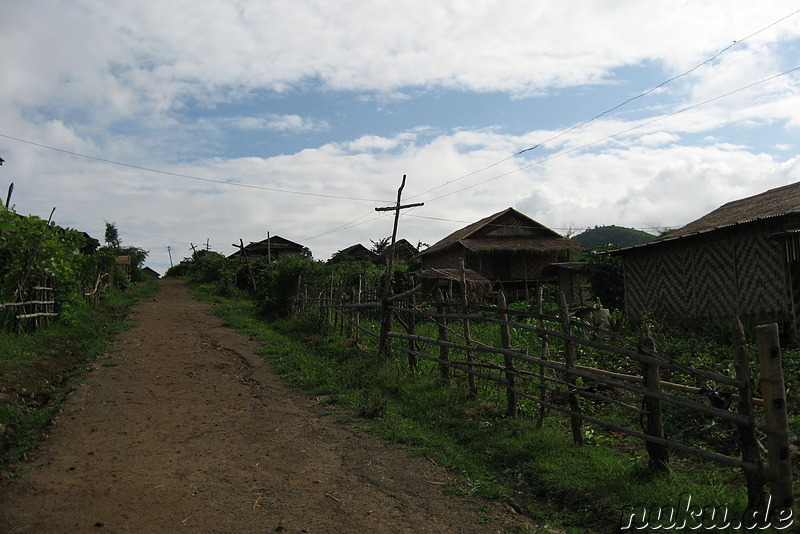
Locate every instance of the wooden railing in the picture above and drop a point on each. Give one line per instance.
(563, 385)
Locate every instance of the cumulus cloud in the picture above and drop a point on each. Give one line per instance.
(190, 88)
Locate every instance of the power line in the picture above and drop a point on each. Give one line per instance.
(659, 86)
(610, 110)
(188, 176)
(641, 125)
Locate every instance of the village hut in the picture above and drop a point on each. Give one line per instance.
(508, 248)
(357, 252)
(152, 273)
(275, 248)
(742, 259)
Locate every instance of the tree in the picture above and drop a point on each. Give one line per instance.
(379, 246)
(606, 276)
(112, 236)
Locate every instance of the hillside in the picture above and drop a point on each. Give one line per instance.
(612, 235)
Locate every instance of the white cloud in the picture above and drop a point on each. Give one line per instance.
(276, 122)
(118, 81)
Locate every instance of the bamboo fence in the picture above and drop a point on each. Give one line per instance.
(566, 387)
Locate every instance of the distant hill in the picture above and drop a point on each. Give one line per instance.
(612, 235)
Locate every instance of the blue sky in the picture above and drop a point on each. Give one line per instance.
(191, 122)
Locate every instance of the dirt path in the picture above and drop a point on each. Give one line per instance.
(180, 427)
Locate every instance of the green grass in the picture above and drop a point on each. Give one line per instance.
(36, 368)
(580, 488)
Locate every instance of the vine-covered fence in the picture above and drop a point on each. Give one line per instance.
(591, 375)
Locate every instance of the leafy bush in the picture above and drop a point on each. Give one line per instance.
(606, 276)
(37, 252)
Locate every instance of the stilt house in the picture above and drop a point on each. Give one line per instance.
(507, 248)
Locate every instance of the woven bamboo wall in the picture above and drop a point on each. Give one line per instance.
(735, 271)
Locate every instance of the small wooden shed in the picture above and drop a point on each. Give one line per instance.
(742, 259)
(507, 247)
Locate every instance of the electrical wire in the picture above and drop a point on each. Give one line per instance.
(611, 110)
(188, 176)
(612, 136)
(538, 162)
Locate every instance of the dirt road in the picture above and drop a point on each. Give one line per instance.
(180, 427)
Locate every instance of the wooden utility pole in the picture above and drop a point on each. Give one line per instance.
(386, 320)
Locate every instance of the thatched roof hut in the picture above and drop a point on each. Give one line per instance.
(742, 259)
(275, 247)
(357, 252)
(505, 247)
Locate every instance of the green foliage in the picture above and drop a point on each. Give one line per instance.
(112, 236)
(379, 246)
(606, 277)
(36, 252)
(277, 286)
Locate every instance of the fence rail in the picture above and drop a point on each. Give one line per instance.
(561, 385)
(42, 306)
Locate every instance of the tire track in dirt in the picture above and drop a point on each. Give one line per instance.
(181, 427)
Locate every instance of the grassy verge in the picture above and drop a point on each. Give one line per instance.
(579, 489)
(36, 368)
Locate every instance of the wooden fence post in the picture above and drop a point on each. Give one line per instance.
(412, 330)
(511, 370)
(747, 433)
(358, 313)
(444, 352)
(569, 358)
(386, 326)
(351, 314)
(544, 354)
(473, 388)
(654, 422)
(298, 305)
(330, 303)
(779, 471)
